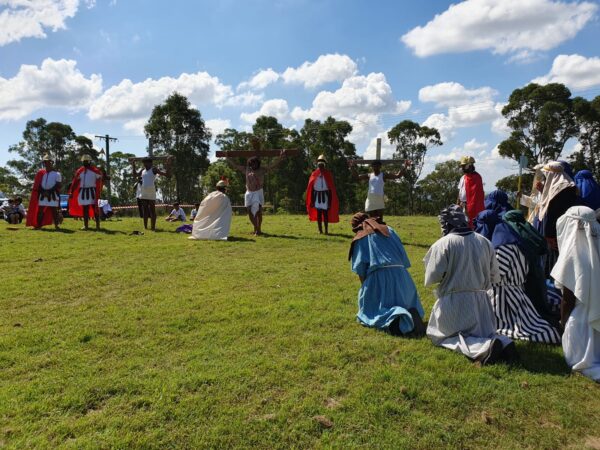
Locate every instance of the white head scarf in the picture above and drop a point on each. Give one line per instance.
(556, 182)
(578, 264)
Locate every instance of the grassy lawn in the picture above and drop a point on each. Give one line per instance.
(155, 341)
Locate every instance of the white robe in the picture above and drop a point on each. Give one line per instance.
(213, 220)
(577, 269)
(462, 318)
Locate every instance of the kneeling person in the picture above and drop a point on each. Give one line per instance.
(387, 298)
(465, 266)
(213, 220)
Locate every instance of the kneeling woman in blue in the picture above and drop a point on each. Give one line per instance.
(387, 298)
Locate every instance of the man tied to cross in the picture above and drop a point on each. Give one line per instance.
(254, 199)
(375, 202)
(147, 178)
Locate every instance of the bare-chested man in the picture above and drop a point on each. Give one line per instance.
(255, 176)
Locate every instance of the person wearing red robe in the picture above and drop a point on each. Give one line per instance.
(322, 202)
(470, 190)
(44, 202)
(84, 192)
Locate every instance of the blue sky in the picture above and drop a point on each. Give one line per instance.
(101, 65)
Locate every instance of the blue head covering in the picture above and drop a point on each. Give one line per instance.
(566, 167)
(486, 222)
(497, 201)
(588, 189)
(505, 235)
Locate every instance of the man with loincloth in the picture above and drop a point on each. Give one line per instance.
(254, 199)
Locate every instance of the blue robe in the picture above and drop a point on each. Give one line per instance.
(387, 292)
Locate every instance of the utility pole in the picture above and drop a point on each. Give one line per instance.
(107, 140)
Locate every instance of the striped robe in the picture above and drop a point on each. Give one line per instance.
(515, 315)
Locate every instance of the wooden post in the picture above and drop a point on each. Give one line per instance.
(378, 150)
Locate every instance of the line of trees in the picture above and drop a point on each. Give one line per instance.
(542, 119)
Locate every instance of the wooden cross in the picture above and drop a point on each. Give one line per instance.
(256, 151)
(361, 161)
(154, 158)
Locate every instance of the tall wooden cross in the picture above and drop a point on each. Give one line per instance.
(256, 151)
(365, 162)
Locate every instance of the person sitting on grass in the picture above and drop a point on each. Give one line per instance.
(576, 273)
(20, 208)
(387, 299)
(177, 214)
(11, 212)
(464, 266)
(194, 211)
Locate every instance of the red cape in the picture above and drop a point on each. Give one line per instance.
(33, 208)
(75, 209)
(334, 207)
(475, 196)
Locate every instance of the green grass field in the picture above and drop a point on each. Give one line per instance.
(109, 340)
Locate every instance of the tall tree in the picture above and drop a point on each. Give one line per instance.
(237, 185)
(412, 142)
(542, 120)
(588, 118)
(440, 188)
(122, 181)
(54, 138)
(9, 183)
(177, 129)
(330, 138)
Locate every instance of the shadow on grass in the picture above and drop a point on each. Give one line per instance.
(109, 232)
(54, 230)
(342, 235)
(280, 236)
(239, 239)
(540, 358)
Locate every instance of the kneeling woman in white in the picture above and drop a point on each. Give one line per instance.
(213, 220)
(576, 271)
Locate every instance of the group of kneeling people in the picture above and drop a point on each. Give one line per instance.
(491, 287)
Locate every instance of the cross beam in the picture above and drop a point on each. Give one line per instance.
(256, 151)
(153, 158)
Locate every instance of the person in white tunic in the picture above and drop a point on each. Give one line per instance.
(465, 266)
(213, 220)
(375, 203)
(147, 193)
(576, 272)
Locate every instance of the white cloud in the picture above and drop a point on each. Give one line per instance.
(474, 146)
(500, 124)
(22, 19)
(56, 83)
(326, 69)
(502, 26)
(128, 100)
(260, 80)
(311, 74)
(361, 100)
(466, 116)
(454, 94)
(370, 94)
(217, 126)
(275, 107)
(136, 126)
(575, 71)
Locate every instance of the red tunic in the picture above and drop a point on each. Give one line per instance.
(75, 209)
(34, 208)
(334, 207)
(475, 196)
